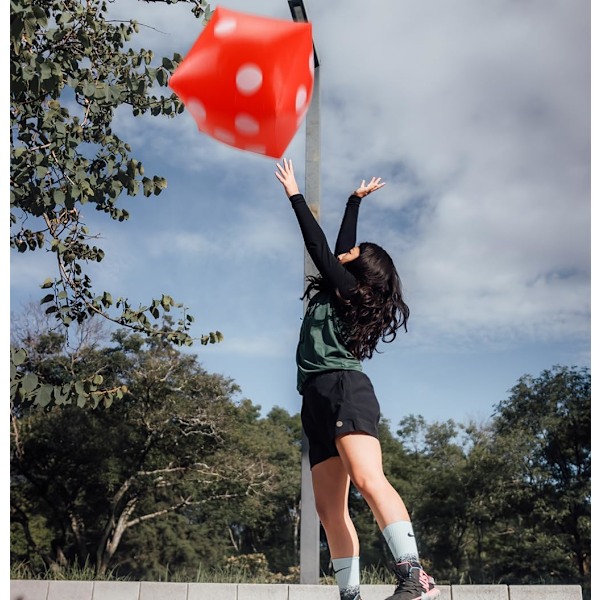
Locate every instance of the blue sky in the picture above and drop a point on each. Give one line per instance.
(477, 116)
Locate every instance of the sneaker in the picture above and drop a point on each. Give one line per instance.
(413, 583)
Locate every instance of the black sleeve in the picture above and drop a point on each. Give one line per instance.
(318, 249)
(347, 235)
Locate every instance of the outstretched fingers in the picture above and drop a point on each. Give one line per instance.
(366, 188)
(375, 184)
(285, 174)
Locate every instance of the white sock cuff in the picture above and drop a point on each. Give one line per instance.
(400, 538)
(347, 571)
(404, 527)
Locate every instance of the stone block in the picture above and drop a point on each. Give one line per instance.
(153, 590)
(479, 592)
(212, 591)
(70, 590)
(262, 591)
(28, 589)
(445, 592)
(544, 592)
(313, 592)
(116, 590)
(376, 592)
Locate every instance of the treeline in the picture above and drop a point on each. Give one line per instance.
(179, 473)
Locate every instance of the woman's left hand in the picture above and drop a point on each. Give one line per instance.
(365, 189)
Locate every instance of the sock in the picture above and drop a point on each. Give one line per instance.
(347, 576)
(400, 538)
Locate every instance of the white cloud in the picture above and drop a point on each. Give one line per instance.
(477, 116)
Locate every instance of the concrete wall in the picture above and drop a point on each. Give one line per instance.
(146, 590)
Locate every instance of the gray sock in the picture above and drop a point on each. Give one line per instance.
(347, 576)
(400, 538)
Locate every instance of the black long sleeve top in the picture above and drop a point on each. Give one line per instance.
(318, 249)
(321, 347)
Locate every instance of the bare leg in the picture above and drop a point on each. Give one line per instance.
(331, 484)
(361, 455)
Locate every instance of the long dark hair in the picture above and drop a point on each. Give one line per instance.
(376, 309)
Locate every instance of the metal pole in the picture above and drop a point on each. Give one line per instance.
(310, 526)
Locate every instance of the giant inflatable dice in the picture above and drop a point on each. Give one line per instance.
(248, 80)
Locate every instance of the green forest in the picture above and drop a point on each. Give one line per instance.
(181, 475)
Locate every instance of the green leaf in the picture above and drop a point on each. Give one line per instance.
(19, 356)
(29, 383)
(43, 396)
(71, 71)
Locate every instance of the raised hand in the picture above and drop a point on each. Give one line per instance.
(365, 189)
(285, 174)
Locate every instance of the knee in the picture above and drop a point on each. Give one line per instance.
(330, 515)
(369, 484)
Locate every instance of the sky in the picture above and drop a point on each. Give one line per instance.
(477, 117)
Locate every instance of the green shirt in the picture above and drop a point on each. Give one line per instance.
(320, 347)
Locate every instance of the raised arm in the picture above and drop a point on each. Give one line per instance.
(314, 238)
(347, 235)
(346, 238)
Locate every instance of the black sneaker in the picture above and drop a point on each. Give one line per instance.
(413, 583)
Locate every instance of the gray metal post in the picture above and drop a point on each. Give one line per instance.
(309, 520)
(310, 526)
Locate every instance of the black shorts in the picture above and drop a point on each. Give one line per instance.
(335, 403)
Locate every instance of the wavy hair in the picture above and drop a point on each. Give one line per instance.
(376, 309)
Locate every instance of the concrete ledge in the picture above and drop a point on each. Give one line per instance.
(480, 592)
(547, 592)
(216, 591)
(116, 590)
(24, 589)
(70, 590)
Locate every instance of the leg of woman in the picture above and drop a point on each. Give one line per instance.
(361, 455)
(331, 485)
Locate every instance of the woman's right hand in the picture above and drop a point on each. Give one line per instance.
(285, 174)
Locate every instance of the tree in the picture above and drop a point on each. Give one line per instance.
(270, 524)
(509, 500)
(544, 433)
(81, 479)
(70, 70)
(438, 492)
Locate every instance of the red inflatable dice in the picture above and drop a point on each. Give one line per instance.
(248, 80)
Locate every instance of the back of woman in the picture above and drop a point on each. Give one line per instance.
(354, 304)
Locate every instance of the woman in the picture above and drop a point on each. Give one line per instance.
(355, 302)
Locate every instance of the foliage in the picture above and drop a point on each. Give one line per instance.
(178, 481)
(70, 71)
(175, 450)
(544, 430)
(508, 501)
